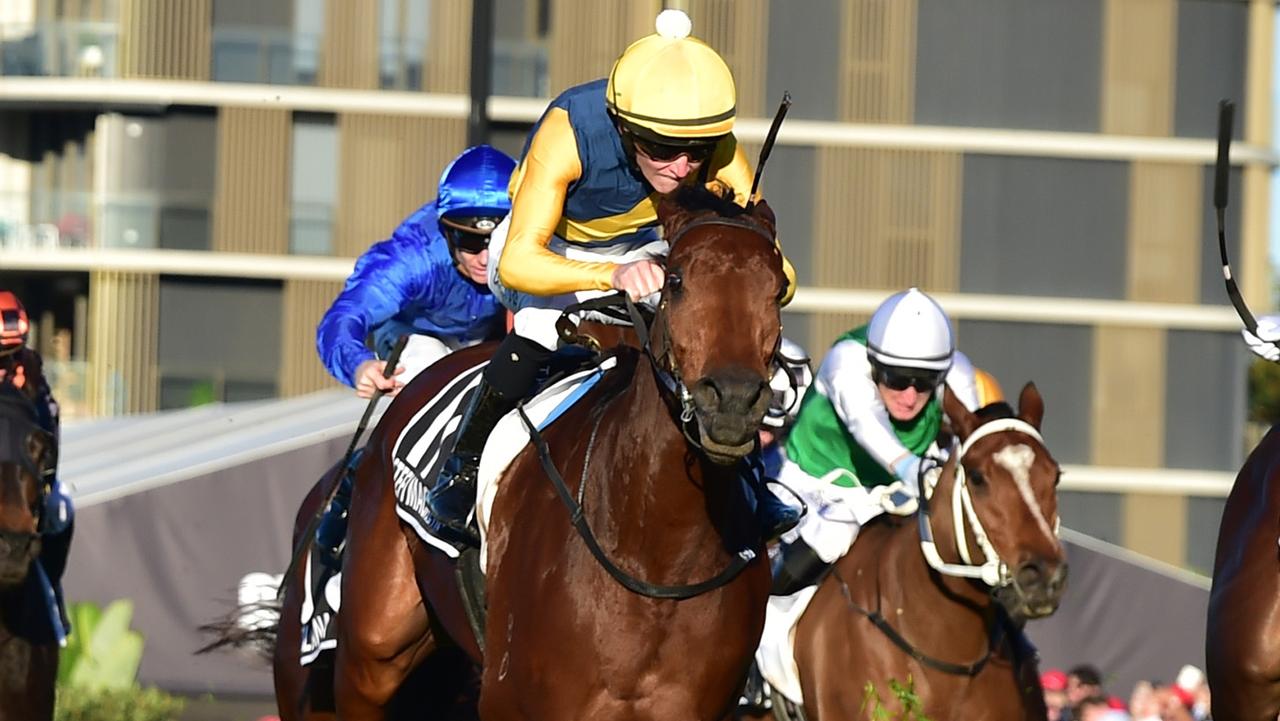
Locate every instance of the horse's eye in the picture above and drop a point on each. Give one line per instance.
(675, 283)
(1057, 477)
(975, 476)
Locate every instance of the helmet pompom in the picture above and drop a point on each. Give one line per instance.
(673, 24)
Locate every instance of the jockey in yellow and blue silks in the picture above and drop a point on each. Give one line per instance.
(427, 281)
(584, 222)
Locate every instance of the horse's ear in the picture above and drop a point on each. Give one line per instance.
(761, 211)
(1031, 405)
(961, 419)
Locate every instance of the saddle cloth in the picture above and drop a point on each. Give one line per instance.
(418, 454)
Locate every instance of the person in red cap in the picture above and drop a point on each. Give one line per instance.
(1054, 684)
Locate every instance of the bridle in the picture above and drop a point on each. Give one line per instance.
(663, 361)
(993, 571)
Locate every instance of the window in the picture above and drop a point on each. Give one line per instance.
(315, 184)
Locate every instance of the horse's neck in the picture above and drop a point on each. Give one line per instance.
(960, 603)
(659, 499)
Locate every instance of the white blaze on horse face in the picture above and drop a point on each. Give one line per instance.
(1017, 460)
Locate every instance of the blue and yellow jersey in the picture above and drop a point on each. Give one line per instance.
(574, 181)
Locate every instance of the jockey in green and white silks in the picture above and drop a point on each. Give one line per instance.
(872, 414)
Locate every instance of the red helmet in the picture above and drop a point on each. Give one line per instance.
(13, 322)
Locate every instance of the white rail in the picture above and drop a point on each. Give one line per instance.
(1163, 481)
(158, 94)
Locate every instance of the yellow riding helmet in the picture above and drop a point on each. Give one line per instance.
(672, 85)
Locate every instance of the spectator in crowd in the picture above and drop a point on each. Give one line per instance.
(1191, 679)
(1083, 681)
(1143, 704)
(1175, 703)
(1092, 708)
(1054, 684)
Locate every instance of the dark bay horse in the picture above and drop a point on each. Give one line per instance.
(964, 661)
(28, 652)
(656, 463)
(1242, 640)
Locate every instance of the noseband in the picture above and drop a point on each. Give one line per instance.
(992, 571)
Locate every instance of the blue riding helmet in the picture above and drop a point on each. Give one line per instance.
(475, 185)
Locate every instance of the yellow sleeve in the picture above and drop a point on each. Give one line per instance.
(538, 189)
(736, 173)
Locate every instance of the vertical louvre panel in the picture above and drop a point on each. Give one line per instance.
(251, 210)
(166, 39)
(1164, 232)
(877, 62)
(736, 29)
(886, 219)
(123, 339)
(349, 49)
(588, 35)
(1128, 397)
(1138, 55)
(449, 50)
(388, 166)
(305, 301)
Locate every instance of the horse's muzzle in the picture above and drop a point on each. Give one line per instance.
(1036, 590)
(730, 406)
(17, 551)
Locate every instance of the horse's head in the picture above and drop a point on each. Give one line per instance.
(26, 452)
(719, 320)
(1012, 492)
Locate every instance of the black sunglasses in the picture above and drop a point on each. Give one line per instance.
(466, 242)
(697, 152)
(900, 379)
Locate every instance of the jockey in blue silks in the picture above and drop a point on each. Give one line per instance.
(429, 281)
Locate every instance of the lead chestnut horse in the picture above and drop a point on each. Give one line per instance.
(663, 623)
(1242, 643)
(886, 613)
(28, 650)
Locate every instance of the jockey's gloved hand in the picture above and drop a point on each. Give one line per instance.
(1263, 342)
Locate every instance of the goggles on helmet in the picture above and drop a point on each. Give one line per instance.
(469, 235)
(897, 378)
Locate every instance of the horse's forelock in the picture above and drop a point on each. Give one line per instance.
(994, 411)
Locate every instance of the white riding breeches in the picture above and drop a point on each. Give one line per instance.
(421, 351)
(536, 315)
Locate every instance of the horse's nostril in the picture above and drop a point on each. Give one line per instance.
(706, 393)
(1030, 575)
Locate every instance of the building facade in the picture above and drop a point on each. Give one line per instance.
(184, 185)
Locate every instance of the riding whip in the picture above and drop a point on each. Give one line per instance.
(768, 142)
(305, 539)
(1226, 113)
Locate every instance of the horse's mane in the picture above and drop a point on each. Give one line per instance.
(994, 411)
(698, 201)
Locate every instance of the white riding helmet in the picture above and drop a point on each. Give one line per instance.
(791, 378)
(910, 330)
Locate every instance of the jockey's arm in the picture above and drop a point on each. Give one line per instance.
(538, 190)
(845, 379)
(962, 379)
(735, 172)
(385, 279)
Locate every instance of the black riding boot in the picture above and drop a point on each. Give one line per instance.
(53, 559)
(797, 567)
(331, 533)
(451, 500)
(774, 516)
